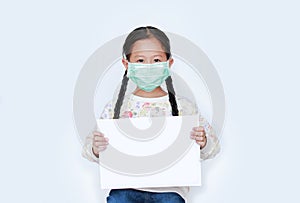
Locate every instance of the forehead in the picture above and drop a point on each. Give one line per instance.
(147, 46)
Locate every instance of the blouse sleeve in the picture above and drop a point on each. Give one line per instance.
(87, 151)
(212, 147)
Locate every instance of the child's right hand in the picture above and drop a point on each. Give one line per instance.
(99, 143)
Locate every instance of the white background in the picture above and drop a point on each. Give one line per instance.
(254, 45)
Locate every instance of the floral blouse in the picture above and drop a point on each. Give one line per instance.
(136, 106)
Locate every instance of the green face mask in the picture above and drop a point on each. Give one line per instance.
(148, 76)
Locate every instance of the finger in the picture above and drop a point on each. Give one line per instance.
(98, 138)
(200, 138)
(196, 138)
(201, 143)
(99, 148)
(198, 128)
(100, 141)
(196, 133)
(193, 135)
(97, 133)
(200, 133)
(97, 144)
(102, 148)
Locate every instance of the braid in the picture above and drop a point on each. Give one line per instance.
(172, 96)
(121, 96)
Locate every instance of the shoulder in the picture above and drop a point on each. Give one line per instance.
(184, 100)
(186, 106)
(109, 107)
(111, 103)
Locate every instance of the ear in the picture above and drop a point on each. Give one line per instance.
(125, 63)
(171, 61)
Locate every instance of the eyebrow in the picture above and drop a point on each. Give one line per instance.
(144, 56)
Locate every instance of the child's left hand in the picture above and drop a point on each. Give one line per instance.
(198, 134)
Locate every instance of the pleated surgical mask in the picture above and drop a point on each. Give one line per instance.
(148, 76)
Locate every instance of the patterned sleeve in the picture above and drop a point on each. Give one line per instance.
(87, 147)
(212, 146)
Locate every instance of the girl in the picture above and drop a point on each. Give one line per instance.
(147, 59)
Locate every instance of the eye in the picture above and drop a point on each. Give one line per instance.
(157, 60)
(140, 61)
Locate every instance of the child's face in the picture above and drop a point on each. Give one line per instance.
(147, 51)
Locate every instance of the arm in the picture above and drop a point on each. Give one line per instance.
(212, 147)
(87, 149)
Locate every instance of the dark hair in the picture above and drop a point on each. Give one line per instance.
(139, 34)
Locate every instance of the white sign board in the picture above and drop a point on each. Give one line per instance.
(149, 152)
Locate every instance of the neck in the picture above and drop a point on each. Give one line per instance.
(157, 92)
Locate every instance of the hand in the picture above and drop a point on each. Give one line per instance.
(99, 143)
(198, 134)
